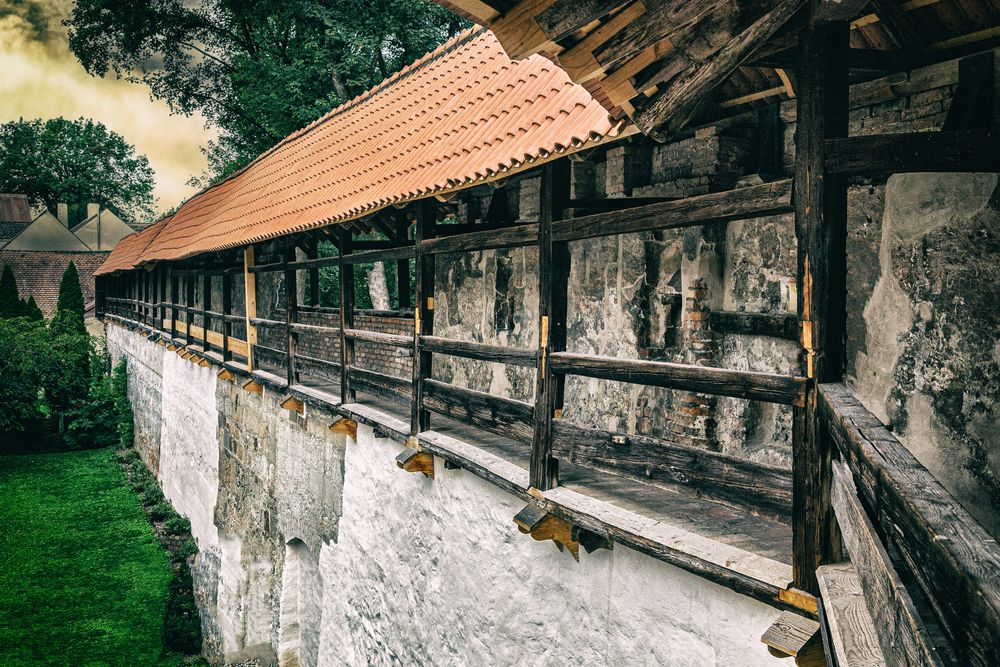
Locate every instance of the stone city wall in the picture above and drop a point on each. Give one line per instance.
(315, 549)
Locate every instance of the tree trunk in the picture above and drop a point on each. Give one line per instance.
(377, 287)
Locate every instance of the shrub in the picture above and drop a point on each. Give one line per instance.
(26, 364)
(162, 511)
(187, 549)
(181, 622)
(178, 525)
(151, 494)
(130, 456)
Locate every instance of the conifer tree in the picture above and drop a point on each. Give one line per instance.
(69, 309)
(31, 309)
(10, 303)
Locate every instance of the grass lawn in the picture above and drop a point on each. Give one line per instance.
(83, 580)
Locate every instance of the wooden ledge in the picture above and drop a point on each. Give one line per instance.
(795, 636)
(254, 387)
(413, 460)
(292, 403)
(226, 375)
(345, 426)
(853, 637)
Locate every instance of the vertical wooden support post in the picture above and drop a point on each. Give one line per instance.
(227, 311)
(403, 267)
(291, 313)
(423, 314)
(135, 295)
(175, 295)
(189, 304)
(250, 302)
(553, 273)
(162, 271)
(313, 253)
(347, 394)
(821, 233)
(206, 304)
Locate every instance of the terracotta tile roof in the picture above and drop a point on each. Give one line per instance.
(38, 273)
(14, 208)
(461, 115)
(129, 251)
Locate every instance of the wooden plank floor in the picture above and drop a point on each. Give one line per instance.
(735, 527)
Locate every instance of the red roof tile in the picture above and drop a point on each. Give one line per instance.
(461, 115)
(38, 274)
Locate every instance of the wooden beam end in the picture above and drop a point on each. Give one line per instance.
(292, 403)
(793, 635)
(542, 526)
(226, 375)
(345, 426)
(254, 387)
(413, 460)
(204, 363)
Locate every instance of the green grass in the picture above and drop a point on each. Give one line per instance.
(83, 580)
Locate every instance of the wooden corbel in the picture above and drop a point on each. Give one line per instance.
(254, 387)
(292, 403)
(161, 343)
(345, 426)
(590, 540)
(226, 375)
(414, 460)
(534, 521)
(204, 362)
(171, 348)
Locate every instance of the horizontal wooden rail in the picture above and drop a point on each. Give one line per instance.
(383, 253)
(379, 338)
(480, 351)
(503, 416)
(742, 203)
(322, 369)
(381, 384)
(756, 487)
(778, 325)
(371, 312)
(768, 387)
(951, 556)
(264, 322)
(958, 150)
(372, 256)
(506, 237)
(319, 329)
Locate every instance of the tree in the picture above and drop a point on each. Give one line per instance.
(257, 71)
(31, 309)
(10, 302)
(75, 161)
(25, 368)
(69, 309)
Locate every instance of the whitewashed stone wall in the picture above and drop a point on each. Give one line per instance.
(317, 550)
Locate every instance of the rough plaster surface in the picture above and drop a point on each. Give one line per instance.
(435, 572)
(316, 553)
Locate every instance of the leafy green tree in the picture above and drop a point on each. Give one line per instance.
(10, 302)
(257, 71)
(75, 161)
(68, 318)
(25, 367)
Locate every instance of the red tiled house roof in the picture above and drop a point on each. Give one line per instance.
(38, 274)
(461, 115)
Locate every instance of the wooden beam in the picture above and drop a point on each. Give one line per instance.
(957, 151)
(553, 274)
(414, 460)
(250, 302)
(520, 34)
(423, 314)
(974, 102)
(777, 325)
(543, 526)
(347, 394)
(381, 384)
(949, 554)
(480, 351)
(378, 338)
(821, 237)
(504, 416)
(853, 637)
(901, 28)
(673, 107)
(345, 426)
(505, 237)
(292, 403)
(903, 636)
(785, 389)
(254, 387)
(226, 375)
(403, 266)
(579, 61)
(565, 17)
(795, 636)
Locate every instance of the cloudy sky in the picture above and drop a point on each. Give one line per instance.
(42, 79)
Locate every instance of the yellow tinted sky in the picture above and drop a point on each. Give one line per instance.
(40, 78)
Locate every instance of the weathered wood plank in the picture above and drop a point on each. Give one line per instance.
(381, 384)
(346, 237)
(956, 151)
(423, 314)
(379, 338)
(951, 556)
(768, 387)
(480, 351)
(250, 301)
(503, 416)
(853, 635)
(565, 17)
(903, 637)
(757, 488)
(507, 237)
(739, 204)
(778, 325)
(791, 634)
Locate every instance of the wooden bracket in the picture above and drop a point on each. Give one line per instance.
(413, 460)
(345, 426)
(292, 403)
(534, 521)
(254, 387)
(451, 465)
(226, 375)
(796, 636)
(161, 343)
(590, 540)
(204, 363)
(171, 348)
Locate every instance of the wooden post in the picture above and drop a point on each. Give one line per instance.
(423, 314)
(553, 274)
(206, 303)
(227, 310)
(175, 295)
(291, 312)
(250, 302)
(347, 393)
(135, 295)
(821, 232)
(189, 305)
(403, 267)
(313, 253)
(162, 271)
